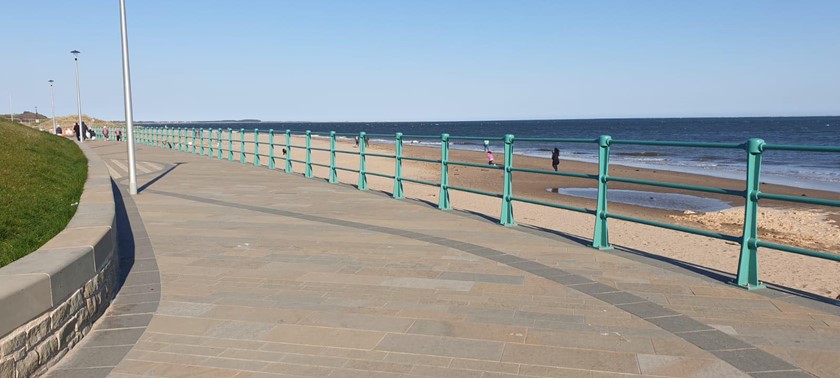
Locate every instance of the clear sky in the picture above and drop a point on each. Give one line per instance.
(404, 60)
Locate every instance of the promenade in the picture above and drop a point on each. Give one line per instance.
(239, 271)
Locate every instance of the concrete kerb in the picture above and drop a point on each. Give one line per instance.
(50, 298)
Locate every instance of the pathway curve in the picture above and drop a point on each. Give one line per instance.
(264, 273)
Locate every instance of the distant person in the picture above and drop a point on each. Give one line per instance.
(490, 158)
(357, 141)
(105, 132)
(367, 141)
(118, 134)
(58, 130)
(284, 151)
(77, 132)
(555, 158)
(486, 145)
(85, 133)
(92, 134)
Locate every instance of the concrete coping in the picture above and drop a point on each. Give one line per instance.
(44, 279)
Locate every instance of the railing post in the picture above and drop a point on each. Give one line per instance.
(398, 184)
(219, 145)
(230, 144)
(333, 173)
(289, 151)
(242, 146)
(257, 147)
(201, 141)
(443, 198)
(748, 263)
(507, 189)
(180, 137)
(210, 142)
(601, 239)
(362, 175)
(308, 170)
(270, 148)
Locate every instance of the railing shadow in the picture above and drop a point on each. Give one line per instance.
(160, 176)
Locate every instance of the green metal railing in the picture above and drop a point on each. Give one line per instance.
(747, 273)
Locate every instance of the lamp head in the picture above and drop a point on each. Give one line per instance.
(75, 54)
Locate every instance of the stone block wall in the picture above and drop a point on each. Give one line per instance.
(50, 298)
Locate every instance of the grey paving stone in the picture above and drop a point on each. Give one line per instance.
(680, 323)
(647, 310)
(570, 279)
(124, 321)
(619, 297)
(713, 340)
(594, 288)
(113, 337)
(91, 357)
(97, 372)
(753, 360)
(782, 374)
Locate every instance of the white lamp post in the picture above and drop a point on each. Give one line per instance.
(129, 113)
(78, 95)
(52, 92)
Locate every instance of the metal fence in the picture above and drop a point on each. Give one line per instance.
(211, 142)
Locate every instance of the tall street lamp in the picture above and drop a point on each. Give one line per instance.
(129, 113)
(78, 95)
(52, 92)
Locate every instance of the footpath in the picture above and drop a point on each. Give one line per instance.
(239, 271)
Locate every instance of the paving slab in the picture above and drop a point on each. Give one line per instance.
(243, 271)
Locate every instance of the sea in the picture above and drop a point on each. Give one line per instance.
(813, 170)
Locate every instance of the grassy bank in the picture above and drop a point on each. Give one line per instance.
(41, 180)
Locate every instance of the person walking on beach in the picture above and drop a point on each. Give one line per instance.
(555, 158)
(486, 145)
(490, 158)
(76, 131)
(357, 141)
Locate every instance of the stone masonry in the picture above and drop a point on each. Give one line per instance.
(32, 348)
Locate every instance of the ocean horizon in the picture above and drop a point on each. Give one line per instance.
(813, 170)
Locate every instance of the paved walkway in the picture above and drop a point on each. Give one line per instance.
(239, 271)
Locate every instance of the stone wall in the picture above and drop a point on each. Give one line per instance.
(50, 298)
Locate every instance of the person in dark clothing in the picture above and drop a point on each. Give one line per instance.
(76, 131)
(58, 130)
(555, 159)
(84, 130)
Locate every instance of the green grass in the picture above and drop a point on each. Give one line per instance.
(41, 180)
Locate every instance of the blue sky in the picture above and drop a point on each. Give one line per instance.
(404, 60)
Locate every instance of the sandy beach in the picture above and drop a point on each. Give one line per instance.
(807, 226)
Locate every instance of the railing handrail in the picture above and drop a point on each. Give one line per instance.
(186, 139)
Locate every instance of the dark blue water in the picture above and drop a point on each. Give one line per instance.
(812, 170)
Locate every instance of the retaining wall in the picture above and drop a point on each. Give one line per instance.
(50, 298)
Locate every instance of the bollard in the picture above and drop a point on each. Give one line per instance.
(443, 198)
(601, 239)
(507, 188)
(398, 184)
(748, 262)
